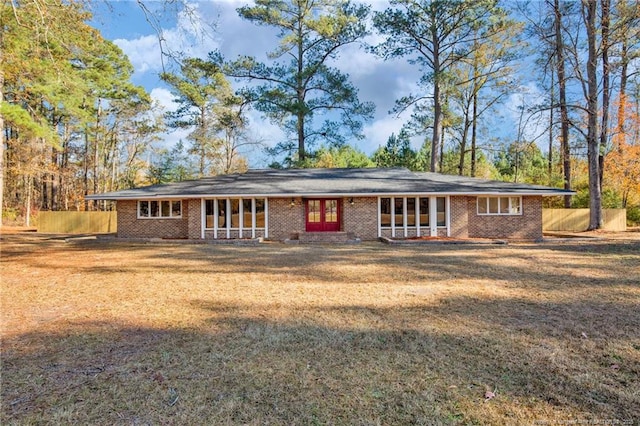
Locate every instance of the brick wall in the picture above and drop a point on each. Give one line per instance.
(361, 218)
(129, 226)
(459, 227)
(194, 217)
(285, 219)
(527, 226)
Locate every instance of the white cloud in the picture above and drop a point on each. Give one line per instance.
(143, 53)
(377, 133)
(165, 98)
(188, 37)
(523, 122)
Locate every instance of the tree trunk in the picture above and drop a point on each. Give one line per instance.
(85, 176)
(589, 8)
(474, 129)
(302, 155)
(1, 143)
(437, 103)
(29, 189)
(562, 94)
(550, 153)
(463, 145)
(606, 91)
(96, 151)
(622, 103)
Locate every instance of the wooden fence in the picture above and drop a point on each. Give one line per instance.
(576, 220)
(77, 222)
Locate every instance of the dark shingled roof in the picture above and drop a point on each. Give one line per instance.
(328, 182)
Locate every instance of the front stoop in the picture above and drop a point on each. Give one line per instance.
(324, 237)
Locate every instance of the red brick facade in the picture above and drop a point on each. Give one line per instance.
(361, 217)
(459, 216)
(527, 226)
(286, 217)
(358, 216)
(129, 226)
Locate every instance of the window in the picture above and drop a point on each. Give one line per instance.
(222, 213)
(441, 204)
(161, 209)
(259, 213)
(235, 213)
(406, 207)
(246, 213)
(499, 205)
(385, 212)
(398, 212)
(411, 212)
(331, 210)
(313, 212)
(424, 211)
(251, 209)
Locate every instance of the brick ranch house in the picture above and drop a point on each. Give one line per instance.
(331, 204)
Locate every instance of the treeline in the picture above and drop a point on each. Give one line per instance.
(73, 124)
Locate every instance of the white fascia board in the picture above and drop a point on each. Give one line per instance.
(335, 195)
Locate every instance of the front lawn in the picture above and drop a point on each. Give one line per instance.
(121, 333)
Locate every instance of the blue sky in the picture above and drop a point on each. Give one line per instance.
(379, 82)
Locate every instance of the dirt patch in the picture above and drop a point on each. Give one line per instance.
(129, 333)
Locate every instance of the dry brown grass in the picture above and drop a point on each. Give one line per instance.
(120, 333)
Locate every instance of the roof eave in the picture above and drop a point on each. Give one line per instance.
(544, 193)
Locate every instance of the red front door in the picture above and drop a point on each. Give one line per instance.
(322, 215)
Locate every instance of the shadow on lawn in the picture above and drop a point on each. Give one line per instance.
(420, 362)
(401, 365)
(419, 264)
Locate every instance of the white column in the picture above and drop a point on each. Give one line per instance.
(433, 216)
(227, 214)
(266, 217)
(393, 217)
(240, 216)
(447, 206)
(253, 218)
(417, 216)
(379, 218)
(215, 218)
(203, 217)
(404, 215)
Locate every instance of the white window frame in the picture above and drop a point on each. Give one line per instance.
(401, 229)
(242, 228)
(499, 198)
(159, 201)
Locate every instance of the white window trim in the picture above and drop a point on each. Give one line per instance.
(241, 228)
(417, 216)
(498, 197)
(433, 221)
(160, 207)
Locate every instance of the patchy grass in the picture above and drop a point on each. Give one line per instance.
(118, 333)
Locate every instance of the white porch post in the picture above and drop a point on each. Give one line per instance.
(393, 217)
(266, 217)
(433, 216)
(203, 217)
(227, 214)
(379, 218)
(404, 216)
(417, 213)
(448, 215)
(240, 216)
(253, 218)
